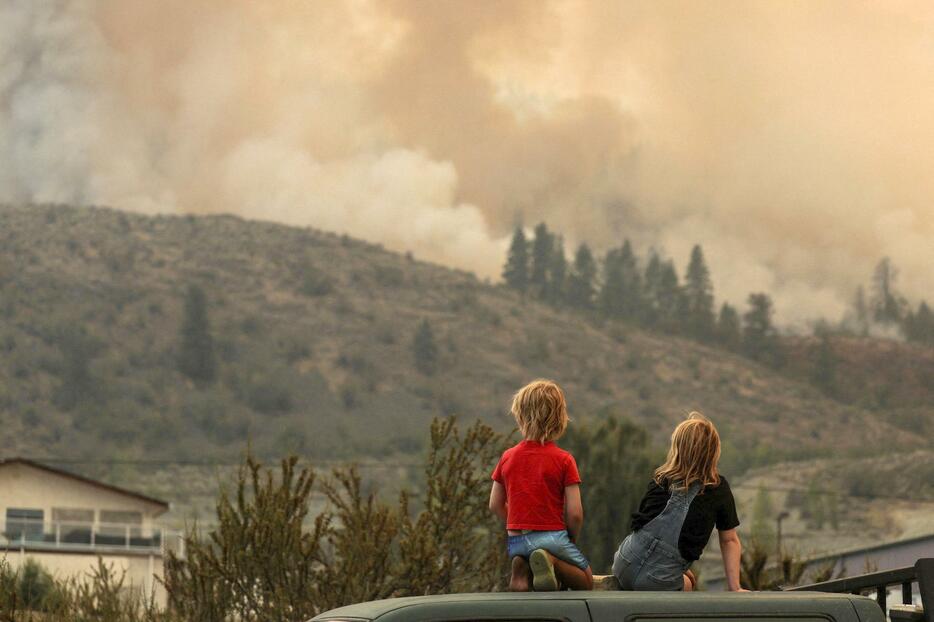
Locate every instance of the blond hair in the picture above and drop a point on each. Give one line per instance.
(540, 411)
(693, 455)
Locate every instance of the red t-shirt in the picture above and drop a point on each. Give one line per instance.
(535, 476)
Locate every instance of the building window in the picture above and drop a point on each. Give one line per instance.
(73, 525)
(24, 524)
(121, 517)
(119, 527)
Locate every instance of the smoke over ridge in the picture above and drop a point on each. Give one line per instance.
(794, 141)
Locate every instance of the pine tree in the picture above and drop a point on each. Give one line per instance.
(665, 305)
(861, 312)
(542, 253)
(653, 270)
(79, 384)
(919, 326)
(886, 303)
(616, 453)
(728, 328)
(824, 374)
(672, 302)
(698, 292)
(557, 274)
(633, 299)
(196, 358)
(760, 341)
(516, 270)
(425, 349)
(582, 281)
(611, 299)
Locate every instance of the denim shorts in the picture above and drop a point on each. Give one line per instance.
(644, 562)
(558, 543)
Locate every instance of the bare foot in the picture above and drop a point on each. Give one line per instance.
(519, 581)
(690, 580)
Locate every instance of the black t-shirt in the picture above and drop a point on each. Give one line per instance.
(712, 507)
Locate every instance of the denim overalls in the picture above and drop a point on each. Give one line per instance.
(649, 559)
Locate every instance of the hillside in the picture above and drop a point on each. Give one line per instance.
(313, 333)
(893, 378)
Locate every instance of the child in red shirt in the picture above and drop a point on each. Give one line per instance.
(536, 490)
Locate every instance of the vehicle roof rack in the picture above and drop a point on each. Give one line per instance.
(921, 573)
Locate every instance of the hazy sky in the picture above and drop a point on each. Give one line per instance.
(794, 140)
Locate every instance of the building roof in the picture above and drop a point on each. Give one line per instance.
(85, 480)
(860, 550)
(850, 552)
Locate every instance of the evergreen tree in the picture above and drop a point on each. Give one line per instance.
(425, 349)
(631, 282)
(611, 299)
(516, 270)
(557, 274)
(582, 281)
(78, 350)
(824, 374)
(760, 341)
(728, 328)
(860, 312)
(616, 454)
(919, 326)
(652, 279)
(542, 254)
(664, 299)
(698, 292)
(196, 358)
(886, 303)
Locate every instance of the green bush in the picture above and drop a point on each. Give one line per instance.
(315, 283)
(268, 560)
(389, 276)
(270, 395)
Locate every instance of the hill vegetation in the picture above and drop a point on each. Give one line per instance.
(185, 338)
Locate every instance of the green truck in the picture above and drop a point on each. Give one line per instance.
(833, 601)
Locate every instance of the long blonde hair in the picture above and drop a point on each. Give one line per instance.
(693, 455)
(540, 411)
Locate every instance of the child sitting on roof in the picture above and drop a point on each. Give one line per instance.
(536, 491)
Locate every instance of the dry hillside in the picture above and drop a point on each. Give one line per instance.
(313, 334)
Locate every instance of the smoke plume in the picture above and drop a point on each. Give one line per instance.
(793, 140)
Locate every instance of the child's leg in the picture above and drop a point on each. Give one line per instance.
(521, 575)
(572, 576)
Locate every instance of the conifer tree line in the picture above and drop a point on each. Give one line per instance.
(651, 292)
(887, 308)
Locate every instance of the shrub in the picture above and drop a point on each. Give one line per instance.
(389, 276)
(425, 349)
(270, 395)
(315, 283)
(266, 560)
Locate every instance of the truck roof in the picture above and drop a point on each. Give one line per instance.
(715, 602)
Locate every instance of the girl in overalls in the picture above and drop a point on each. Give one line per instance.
(684, 502)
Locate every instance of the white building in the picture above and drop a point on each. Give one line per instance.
(65, 522)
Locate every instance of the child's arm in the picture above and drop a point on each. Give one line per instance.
(573, 510)
(498, 500)
(731, 550)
